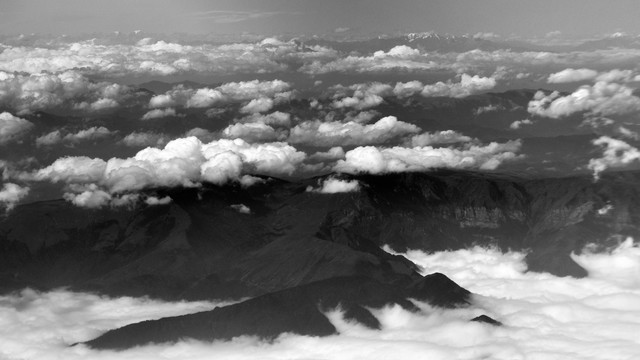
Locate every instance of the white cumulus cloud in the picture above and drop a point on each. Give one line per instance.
(91, 134)
(11, 194)
(616, 153)
(373, 160)
(572, 75)
(12, 127)
(334, 186)
(182, 162)
(335, 133)
(601, 98)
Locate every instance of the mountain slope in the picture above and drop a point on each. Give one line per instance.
(297, 254)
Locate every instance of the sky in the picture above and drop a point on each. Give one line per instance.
(505, 17)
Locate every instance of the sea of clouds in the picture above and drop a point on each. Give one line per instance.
(543, 316)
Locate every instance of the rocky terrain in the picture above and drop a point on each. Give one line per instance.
(297, 253)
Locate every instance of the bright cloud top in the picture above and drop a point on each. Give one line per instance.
(616, 153)
(602, 98)
(335, 133)
(182, 162)
(260, 96)
(11, 194)
(12, 128)
(69, 89)
(369, 159)
(334, 186)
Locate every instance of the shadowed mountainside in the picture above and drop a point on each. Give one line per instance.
(298, 253)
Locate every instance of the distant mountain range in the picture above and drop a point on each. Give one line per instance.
(434, 42)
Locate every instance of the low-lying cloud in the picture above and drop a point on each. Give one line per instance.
(334, 186)
(11, 194)
(335, 133)
(602, 98)
(182, 162)
(615, 153)
(25, 93)
(543, 316)
(259, 96)
(56, 137)
(372, 160)
(12, 128)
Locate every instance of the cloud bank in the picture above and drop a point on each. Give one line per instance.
(12, 128)
(369, 159)
(544, 317)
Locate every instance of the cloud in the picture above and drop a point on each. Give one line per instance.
(619, 265)
(399, 51)
(144, 139)
(241, 208)
(617, 75)
(375, 160)
(92, 198)
(70, 89)
(576, 75)
(334, 186)
(518, 124)
(403, 90)
(438, 138)
(617, 153)
(174, 56)
(73, 169)
(66, 317)
(274, 119)
(602, 98)
(252, 132)
(153, 57)
(544, 317)
(159, 113)
(260, 96)
(334, 153)
(368, 95)
(488, 109)
(12, 128)
(335, 133)
(91, 134)
(468, 85)
(203, 135)
(398, 58)
(362, 96)
(572, 75)
(259, 105)
(182, 162)
(152, 200)
(11, 194)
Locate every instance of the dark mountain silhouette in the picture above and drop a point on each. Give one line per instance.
(299, 253)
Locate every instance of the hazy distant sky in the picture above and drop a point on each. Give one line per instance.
(505, 17)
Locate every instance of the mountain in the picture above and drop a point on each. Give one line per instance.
(427, 41)
(296, 253)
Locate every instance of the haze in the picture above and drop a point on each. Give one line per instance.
(504, 17)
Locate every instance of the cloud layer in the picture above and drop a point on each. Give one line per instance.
(369, 159)
(544, 317)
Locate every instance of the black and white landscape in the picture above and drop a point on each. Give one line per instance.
(319, 180)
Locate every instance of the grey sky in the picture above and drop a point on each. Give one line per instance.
(506, 17)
